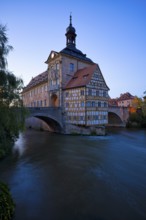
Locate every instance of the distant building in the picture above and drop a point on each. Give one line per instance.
(72, 81)
(125, 100)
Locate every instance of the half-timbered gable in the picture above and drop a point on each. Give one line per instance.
(86, 97)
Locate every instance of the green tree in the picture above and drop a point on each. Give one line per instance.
(12, 113)
(7, 205)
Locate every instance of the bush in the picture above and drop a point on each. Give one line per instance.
(6, 203)
(136, 120)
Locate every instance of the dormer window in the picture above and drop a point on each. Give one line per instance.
(75, 77)
(85, 76)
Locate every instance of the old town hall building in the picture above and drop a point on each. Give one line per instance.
(74, 83)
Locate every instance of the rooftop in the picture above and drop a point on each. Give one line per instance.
(41, 78)
(74, 52)
(81, 77)
(125, 96)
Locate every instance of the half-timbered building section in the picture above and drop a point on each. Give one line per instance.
(35, 94)
(86, 98)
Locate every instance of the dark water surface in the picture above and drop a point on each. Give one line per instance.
(56, 177)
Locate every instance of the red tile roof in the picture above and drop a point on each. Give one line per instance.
(81, 77)
(41, 78)
(125, 96)
(112, 102)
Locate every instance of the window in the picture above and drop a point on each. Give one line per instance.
(66, 94)
(104, 117)
(81, 118)
(100, 93)
(82, 92)
(88, 104)
(71, 67)
(67, 104)
(99, 104)
(57, 66)
(82, 104)
(104, 93)
(96, 117)
(97, 93)
(90, 92)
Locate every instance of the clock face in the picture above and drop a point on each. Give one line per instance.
(52, 55)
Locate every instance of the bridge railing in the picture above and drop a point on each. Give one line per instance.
(52, 111)
(43, 108)
(46, 110)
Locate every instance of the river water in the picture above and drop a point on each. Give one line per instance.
(57, 177)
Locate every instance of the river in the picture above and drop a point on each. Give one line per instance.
(63, 177)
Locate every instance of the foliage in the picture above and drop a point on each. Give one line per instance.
(6, 203)
(138, 118)
(137, 102)
(12, 113)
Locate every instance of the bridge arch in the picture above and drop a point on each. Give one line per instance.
(118, 116)
(51, 116)
(114, 119)
(55, 126)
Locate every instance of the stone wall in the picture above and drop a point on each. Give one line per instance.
(81, 130)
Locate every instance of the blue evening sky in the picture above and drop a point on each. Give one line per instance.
(111, 32)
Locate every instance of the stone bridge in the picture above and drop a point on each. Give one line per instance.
(53, 117)
(117, 116)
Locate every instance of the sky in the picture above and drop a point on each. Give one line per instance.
(110, 32)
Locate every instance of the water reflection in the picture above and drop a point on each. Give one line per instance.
(19, 146)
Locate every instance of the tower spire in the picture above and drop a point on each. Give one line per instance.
(70, 35)
(70, 19)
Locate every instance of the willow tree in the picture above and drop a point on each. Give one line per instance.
(11, 107)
